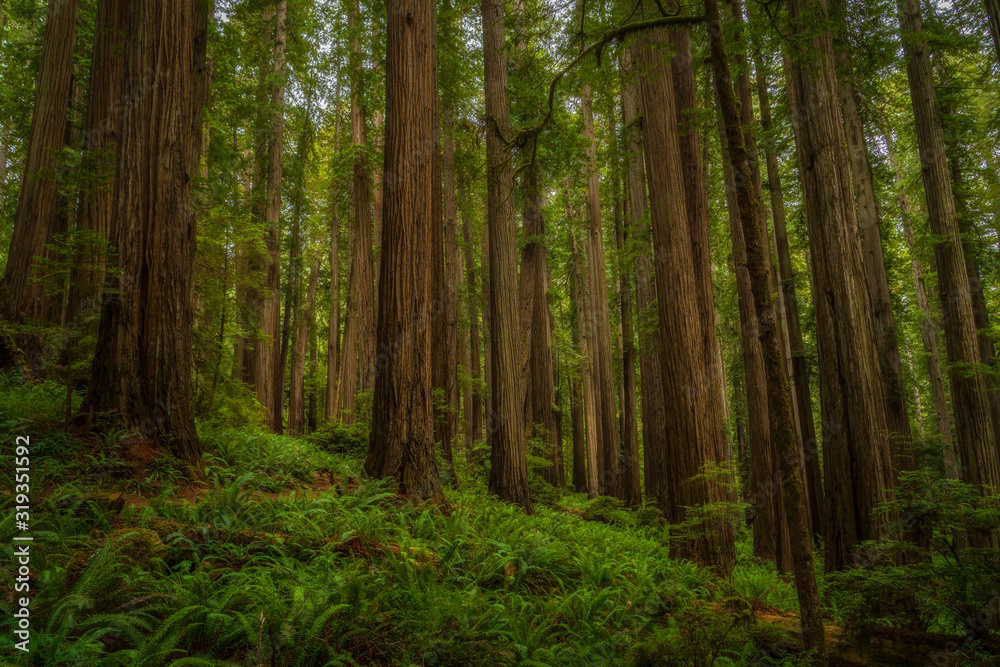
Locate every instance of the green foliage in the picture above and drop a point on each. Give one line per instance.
(346, 439)
(942, 585)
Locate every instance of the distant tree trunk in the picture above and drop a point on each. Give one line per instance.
(764, 463)
(969, 388)
(768, 520)
(857, 457)
(928, 328)
(100, 136)
(402, 444)
(487, 355)
(446, 422)
(632, 487)
(262, 356)
(897, 412)
(377, 179)
(693, 423)
(141, 369)
(779, 398)
(293, 291)
(357, 369)
(303, 319)
(800, 364)
(312, 381)
(579, 292)
(765, 494)
(654, 439)
(470, 278)
(539, 376)
(333, 332)
(37, 219)
(609, 469)
(508, 462)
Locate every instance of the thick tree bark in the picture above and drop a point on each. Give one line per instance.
(857, 457)
(897, 412)
(655, 461)
(800, 365)
(608, 459)
(779, 398)
(402, 444)
(37, 219)
(969, 389)
(508, 462)
(142, 365)
(693, 423)
(100, 136)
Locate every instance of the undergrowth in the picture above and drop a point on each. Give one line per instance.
(291, 556)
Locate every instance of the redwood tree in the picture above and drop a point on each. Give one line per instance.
(508, 454)
(857, 458)
(402, 444)
(22, 294)
(142, 366)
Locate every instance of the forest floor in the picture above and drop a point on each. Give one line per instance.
(283, 553)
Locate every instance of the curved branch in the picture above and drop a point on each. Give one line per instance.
(524, 134)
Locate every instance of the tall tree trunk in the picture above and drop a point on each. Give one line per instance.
(377, 179)
(261, 357)
(897, 412)
(470, 278)
(537, 371)
(693, 423)
(508, 462)
(856, 454)
(357, 369)
(447, 428)
(655, 461)
(579, 292)
(779, 398)
(292, 318)
(37, 219)
(969, 388)
(100, 136)
(297, 389)
(764, 464)
(142, 365)
(928, 327)
(632, 486)
(768, 518)
(402, 444)
(609, 469)
(800, 365)
(333, 332)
